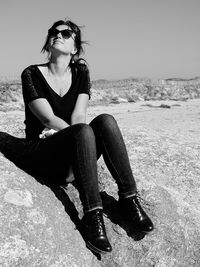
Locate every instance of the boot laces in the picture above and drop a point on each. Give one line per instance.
(98, 223)
(141, 200)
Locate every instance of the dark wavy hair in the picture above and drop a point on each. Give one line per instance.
(78, 39)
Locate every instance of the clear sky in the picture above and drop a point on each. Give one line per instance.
(128, 38)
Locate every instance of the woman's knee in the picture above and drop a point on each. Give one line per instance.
(73, 131)
(85, 130)
(105, 119)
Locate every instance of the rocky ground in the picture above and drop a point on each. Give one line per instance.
(40, 225)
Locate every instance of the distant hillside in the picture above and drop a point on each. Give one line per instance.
(115, 91)
(133, 89)
(181, 81)
(105, 84)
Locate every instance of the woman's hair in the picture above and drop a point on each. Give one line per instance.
(78, 39)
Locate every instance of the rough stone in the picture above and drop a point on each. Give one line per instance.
(35, 224)
(35, 228)
(39, 225)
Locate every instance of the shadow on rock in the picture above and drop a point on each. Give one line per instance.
(12, 148)
(111, 210)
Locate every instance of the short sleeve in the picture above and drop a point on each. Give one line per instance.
(85, 86)
(31, 88)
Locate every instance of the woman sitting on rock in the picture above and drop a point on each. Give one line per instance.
(59, 140)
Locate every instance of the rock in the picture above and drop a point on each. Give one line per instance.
(39, 225)
(35, 228)
(117, 100)
(164, 106)
(157, 106)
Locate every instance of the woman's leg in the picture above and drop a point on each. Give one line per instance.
(111, 145)
(76, 145)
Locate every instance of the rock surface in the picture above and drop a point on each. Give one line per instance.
(35, 227)
(39, 224)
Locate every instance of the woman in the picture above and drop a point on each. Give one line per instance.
(56, 96)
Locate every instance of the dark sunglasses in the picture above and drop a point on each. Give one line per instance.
(66, 34)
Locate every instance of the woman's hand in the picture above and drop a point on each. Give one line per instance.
(47, 132)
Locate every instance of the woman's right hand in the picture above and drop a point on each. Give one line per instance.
(47, 132)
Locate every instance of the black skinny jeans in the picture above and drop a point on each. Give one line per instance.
(80, 146)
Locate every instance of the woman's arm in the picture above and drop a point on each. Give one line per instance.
(43, 111)
(34, 96)
(79, 112)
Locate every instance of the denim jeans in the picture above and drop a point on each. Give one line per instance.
(80, 146)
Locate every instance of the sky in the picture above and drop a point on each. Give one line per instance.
(127, 38)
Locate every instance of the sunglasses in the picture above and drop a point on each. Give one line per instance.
(66, 34)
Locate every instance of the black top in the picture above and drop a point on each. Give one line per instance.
(34, 86)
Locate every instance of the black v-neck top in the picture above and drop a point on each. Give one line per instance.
(34, 86)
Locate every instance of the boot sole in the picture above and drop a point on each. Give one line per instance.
(95, 249)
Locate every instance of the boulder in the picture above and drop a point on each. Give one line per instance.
(35, 228)
(40, 225)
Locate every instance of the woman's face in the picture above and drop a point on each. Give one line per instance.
(62, 41)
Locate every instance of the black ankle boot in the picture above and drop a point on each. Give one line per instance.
(95, 232)
(131, 209)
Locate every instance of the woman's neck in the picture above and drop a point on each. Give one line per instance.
(59, 66)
